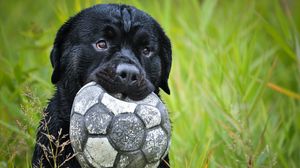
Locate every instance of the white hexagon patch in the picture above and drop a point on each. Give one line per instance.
(155, 145)
(104, 158)
(150, 115)
(86, 98)
(117, 106)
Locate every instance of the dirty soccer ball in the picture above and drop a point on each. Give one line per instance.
(109, 132)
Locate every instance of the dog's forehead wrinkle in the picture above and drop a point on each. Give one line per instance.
(126, 19)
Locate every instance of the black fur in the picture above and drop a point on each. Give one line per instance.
(76, 60)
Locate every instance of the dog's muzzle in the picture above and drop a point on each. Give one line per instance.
(123, 79)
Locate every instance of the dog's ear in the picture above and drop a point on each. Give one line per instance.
(57, 51)
(55, 61)
(166, 61)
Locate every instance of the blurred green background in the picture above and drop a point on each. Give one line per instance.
(235, 83)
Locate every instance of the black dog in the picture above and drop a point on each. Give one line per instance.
(118, 46)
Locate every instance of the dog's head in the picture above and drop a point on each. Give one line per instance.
(118, 46)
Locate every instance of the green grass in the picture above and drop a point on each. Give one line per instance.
(235, 82)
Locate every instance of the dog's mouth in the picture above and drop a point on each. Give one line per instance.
(118, 85)
(120, 96)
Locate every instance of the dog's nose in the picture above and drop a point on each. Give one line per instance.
(127, 73)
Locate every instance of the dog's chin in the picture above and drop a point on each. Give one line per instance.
(138, 95)
(114, 87)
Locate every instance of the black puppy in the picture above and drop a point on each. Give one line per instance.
(118, 46)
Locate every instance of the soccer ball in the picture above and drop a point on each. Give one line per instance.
(108, 132)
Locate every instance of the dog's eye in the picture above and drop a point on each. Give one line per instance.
(146, 51)
(101, 45)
